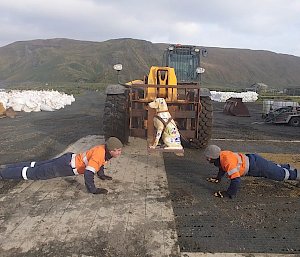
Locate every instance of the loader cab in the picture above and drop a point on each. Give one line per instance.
(186, 62)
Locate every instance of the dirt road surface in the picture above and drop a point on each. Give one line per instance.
(156, 206)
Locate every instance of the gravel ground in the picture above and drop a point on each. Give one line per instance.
(43, 135)
(250, 128)
(263, 218)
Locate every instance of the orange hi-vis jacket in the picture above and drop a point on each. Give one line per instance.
(234, 164)
(91, 160)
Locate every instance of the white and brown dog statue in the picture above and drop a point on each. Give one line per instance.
(165, 126)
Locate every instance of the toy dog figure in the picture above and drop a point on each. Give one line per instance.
(165, 125)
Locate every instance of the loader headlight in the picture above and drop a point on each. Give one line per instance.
(200, 70)
(197, 50)
(171, 48)
(118, 67)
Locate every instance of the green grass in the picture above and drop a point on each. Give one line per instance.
(279, 98)
(76, 88)
(65, 87)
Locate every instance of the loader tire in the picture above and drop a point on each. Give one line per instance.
(205, 124)
(294, 122)
(115, 117)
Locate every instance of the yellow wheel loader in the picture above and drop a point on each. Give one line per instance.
(126, 111)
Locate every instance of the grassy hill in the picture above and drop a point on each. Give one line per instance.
(65, 60)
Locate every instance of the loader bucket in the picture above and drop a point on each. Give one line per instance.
(236, 107)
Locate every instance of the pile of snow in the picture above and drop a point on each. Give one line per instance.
(223, 96)
(35, 101)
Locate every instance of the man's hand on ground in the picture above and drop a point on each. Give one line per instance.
(100, 191)
(104, 177)
(213, 180)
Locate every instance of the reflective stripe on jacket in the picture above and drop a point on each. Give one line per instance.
(234, 164)
(91, 160)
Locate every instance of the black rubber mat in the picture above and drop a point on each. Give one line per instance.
(264, 217)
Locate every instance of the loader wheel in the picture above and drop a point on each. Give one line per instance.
(115, 117)
(295, 122)
(205, 124)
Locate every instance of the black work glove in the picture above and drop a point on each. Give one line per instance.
(222, 194)
(101, 175)
(213, 180)
(100, 191)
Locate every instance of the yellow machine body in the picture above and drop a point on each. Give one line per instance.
(161, 76)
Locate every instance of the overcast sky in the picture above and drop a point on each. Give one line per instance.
(272, 25)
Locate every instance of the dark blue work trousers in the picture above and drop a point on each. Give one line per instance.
(57, 167)
(260, 167)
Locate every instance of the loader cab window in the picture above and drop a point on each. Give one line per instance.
(184, 63)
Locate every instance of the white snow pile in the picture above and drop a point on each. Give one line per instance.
(248, 96)
(35, 101)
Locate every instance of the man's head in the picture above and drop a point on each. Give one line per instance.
(114, 146)
(212, 152)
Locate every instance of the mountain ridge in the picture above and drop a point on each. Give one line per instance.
(68, 60)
